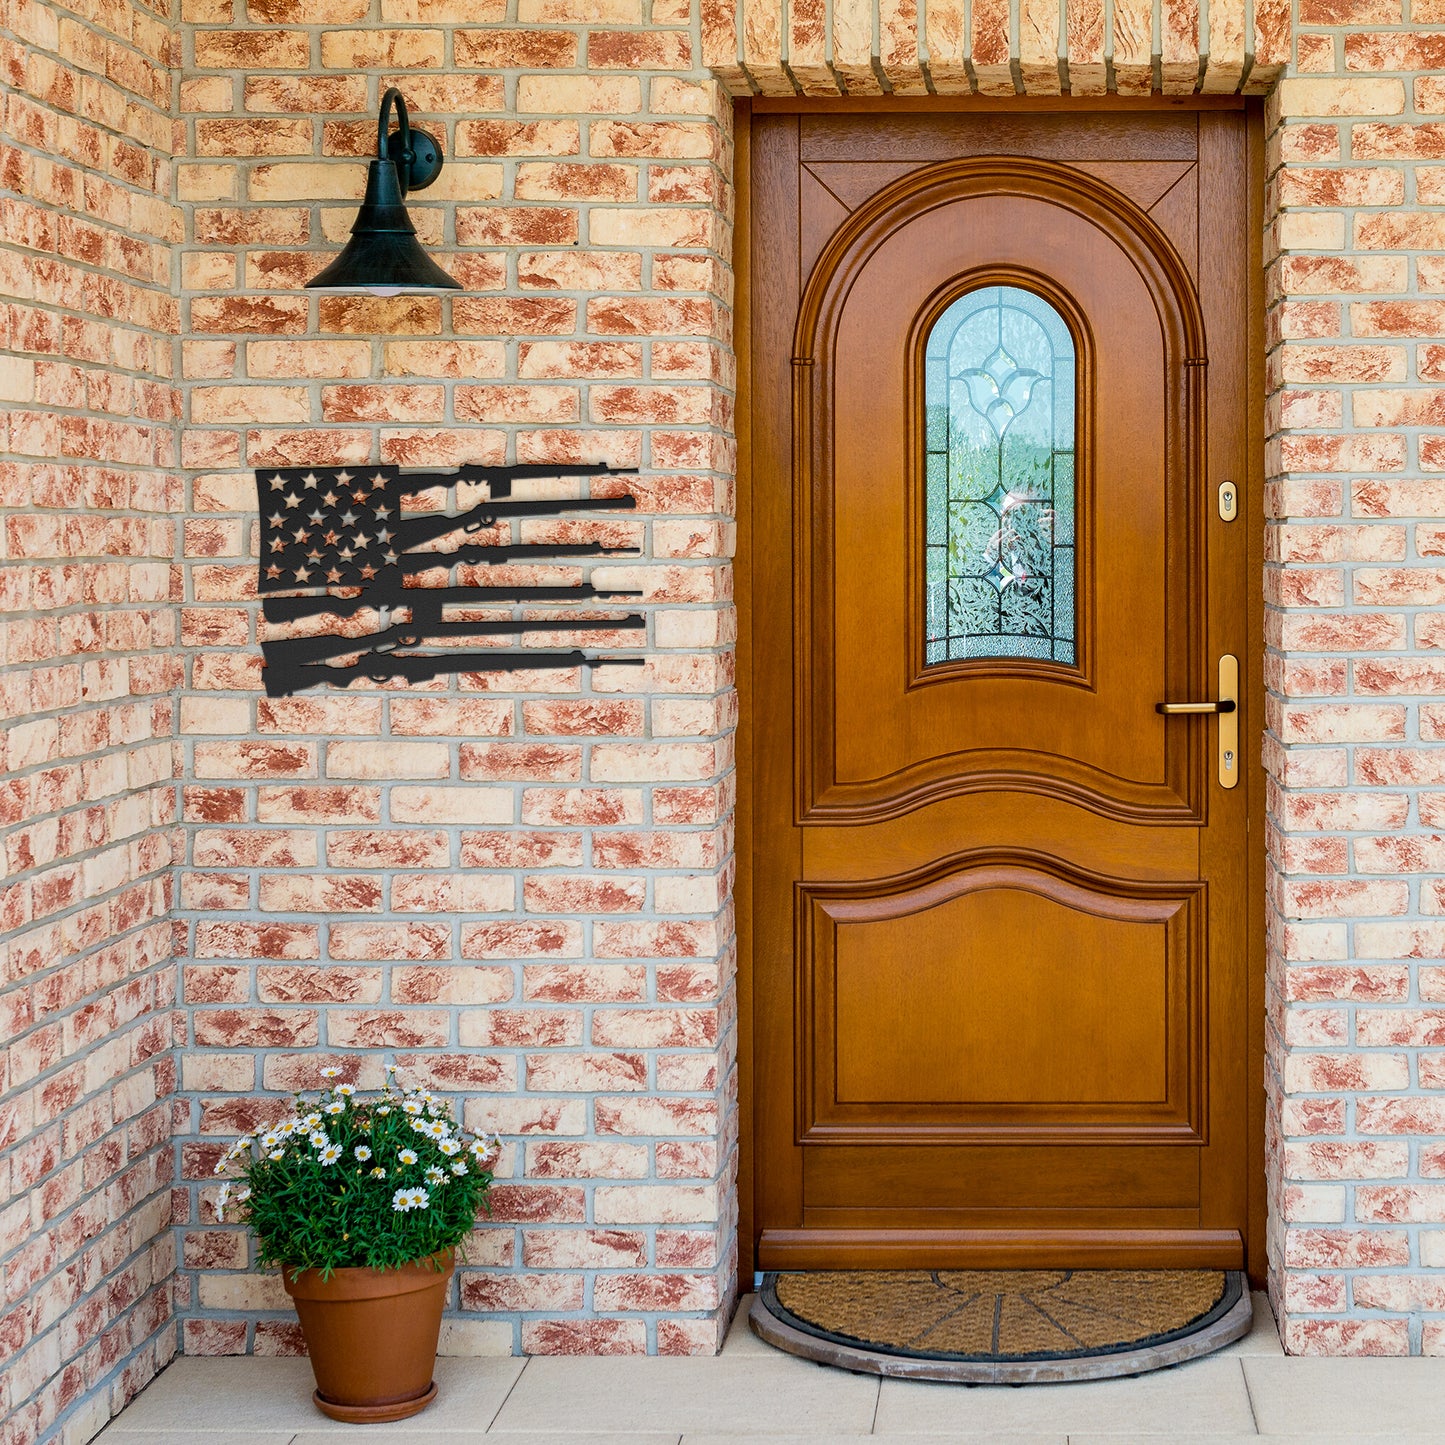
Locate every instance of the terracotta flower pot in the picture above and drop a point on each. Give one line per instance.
(372, 1336)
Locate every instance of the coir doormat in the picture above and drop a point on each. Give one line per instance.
(1003, 1326)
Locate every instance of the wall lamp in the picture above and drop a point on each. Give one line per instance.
(383, 255)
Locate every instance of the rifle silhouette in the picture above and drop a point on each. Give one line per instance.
(424, 667)
(422, 561)
(415, 530)
(298, 651)
(289, 609)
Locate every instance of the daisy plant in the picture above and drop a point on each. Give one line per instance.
(350, 1180)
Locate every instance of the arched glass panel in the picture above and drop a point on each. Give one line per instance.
(999, 390)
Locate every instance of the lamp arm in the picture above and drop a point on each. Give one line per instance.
(393, 97)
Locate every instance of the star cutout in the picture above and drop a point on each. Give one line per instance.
(309, 481)
(278, 544)
(292, 501)
(276, 519)
(301, 534)
(302, 573)
(343, 477)
(360, 540)
(368, 572)
(278, 483)
(382, 513)
(272, 572)
(329, 499)
(333, 575)
(358, 495)
(377, 481)
(347, 518)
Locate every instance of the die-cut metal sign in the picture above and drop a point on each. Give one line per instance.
(346, 528)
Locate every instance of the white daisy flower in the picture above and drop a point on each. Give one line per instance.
(435, 1175)
(420, 1198)
(384, 1109)
(335, 1107)
(437, 1129)
(459, 1167)
(362, 1152)
(331, 1073)
(345, 1090)
(277, 1154)
(220, 1165)
(401, 1201)
(378, 1172)
(270, 1139)
(289, 1127)
(450, 1146)
(392, 1068)
(242, 1195)
(331, 1154)
(407, 1156)
(311, 1120)
(413, 1106)
(319, 1139)
(222, 1197)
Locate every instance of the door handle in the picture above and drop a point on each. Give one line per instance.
(1176, 709)
(1227, 709)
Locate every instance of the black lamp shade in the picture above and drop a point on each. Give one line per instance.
(383, 255)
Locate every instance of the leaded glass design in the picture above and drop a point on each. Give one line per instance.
(999, 516)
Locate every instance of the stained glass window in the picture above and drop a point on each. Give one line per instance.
(999, 518)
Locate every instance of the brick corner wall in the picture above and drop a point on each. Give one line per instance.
(89, 496)
(1356, 422)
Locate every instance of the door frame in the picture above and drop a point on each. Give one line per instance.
(1253, 517)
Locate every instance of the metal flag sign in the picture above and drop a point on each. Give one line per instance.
(345, 527)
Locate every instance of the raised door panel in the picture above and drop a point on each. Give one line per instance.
(1027, 1000)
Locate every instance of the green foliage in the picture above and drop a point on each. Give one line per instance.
(348, 1180)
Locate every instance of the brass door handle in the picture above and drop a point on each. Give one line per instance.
(1174, 709)
(1228, 704)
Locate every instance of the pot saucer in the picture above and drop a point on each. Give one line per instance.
(375, 1414)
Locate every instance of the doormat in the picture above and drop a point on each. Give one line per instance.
(1000, 1326)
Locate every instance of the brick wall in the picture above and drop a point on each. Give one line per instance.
(516, 887)
(1356, 1071)
(89, 493)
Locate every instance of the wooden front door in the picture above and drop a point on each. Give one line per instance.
(1001, 904)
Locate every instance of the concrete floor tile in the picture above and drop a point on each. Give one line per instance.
(1213, 1440)
(201, 1397)
(222, 1396)
(1357, 1398)
(1263, 1336)
(777, 1395)
(414, 1432)
(126, 1436)
(740, 1338)
(961, 1439)
(1202, 1397)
